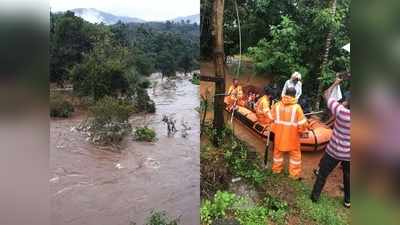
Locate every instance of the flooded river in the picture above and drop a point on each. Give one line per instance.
(93, 186)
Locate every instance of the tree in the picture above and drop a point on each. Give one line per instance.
(281, 54)
(70, 38)
(143, 62)
(264, 34)
(166, 63)
(219, 64)
(186, 63)
(102, 71)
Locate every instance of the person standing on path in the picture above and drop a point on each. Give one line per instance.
(338, 149)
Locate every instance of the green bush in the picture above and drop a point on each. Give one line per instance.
(281, 54)
(60, 107)
(278, 209)
(241, 164)
(226, 205)
(240, 160)
(145, 134)
(108, 123)
(160, 218)
(108, 110)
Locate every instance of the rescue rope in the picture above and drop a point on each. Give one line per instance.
(240, 38)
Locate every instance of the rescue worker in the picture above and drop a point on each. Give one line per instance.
(294, 82)
(262, 107)
(234, 95)
(289, 124)
(251, 101)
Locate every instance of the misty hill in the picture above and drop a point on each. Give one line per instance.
(96, 16)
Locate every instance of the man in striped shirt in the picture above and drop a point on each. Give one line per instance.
(338, 149)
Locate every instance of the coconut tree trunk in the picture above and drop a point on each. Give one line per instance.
(218, 39)
(324, 61)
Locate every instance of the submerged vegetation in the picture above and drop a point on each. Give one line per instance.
(159, 218)
(59, 106)
(108, 122)
(145, 134)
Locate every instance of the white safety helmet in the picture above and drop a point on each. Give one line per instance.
(296, 75)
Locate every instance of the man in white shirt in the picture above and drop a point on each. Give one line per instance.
(294, 82)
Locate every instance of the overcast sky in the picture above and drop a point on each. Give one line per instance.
(144, 9)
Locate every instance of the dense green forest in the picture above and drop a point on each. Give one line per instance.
(285, 36)
(101, 60)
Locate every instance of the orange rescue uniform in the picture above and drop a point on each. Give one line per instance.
(262, 110)
(289, 123)
(235, 95)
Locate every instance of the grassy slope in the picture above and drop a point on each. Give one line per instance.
(329, 211)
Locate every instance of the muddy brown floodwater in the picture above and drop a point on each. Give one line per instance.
(310, 160)
(93, 186)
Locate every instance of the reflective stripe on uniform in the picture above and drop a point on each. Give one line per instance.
(293, 115)
(278, 159)
(277, 114)
(286, 123)
(292, 118)
(294, 162)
